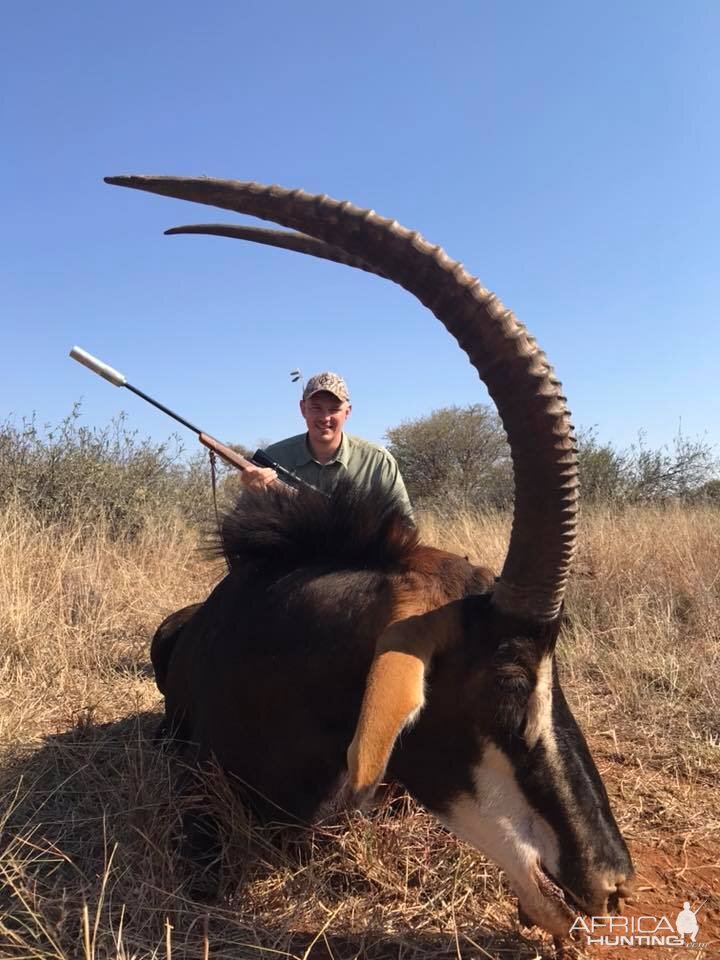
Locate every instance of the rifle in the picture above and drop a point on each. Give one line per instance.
(259, 458)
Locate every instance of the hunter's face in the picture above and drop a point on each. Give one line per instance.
(325, 415)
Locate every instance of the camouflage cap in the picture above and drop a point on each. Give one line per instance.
(328, 381)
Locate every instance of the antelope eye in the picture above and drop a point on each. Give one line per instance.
(512, 692)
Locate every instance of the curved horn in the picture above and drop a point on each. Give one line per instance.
(300, 242)
(518, 377)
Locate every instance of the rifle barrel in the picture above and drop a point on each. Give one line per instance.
(161, 406)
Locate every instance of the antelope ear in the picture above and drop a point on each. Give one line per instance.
(395, 691)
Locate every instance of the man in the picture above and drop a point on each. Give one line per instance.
(325, 453)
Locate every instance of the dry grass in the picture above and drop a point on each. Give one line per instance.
(89, 822)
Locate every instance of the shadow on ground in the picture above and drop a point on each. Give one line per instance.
(88, 842)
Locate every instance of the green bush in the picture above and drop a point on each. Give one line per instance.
(709, 492)
(68, 471)
(641, 474)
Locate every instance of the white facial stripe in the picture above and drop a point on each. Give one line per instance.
(539, 715)
(500, 822)
(502, 801)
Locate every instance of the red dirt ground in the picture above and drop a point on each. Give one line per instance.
(668, 874)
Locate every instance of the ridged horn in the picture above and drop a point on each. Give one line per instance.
(300, 242)
(518, 377)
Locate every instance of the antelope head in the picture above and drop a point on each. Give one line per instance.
(490, 746)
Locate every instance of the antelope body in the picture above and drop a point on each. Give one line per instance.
(336, 631)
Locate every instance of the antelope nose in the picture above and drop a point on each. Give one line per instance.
(624, 887)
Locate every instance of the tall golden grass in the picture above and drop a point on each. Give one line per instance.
(90, 821)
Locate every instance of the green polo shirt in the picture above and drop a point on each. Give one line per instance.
(368, 465)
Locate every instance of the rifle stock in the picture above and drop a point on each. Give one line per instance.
(227, 453)
(259, 459)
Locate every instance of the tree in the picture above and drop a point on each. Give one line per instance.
(455, 455)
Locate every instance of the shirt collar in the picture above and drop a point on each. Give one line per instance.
(342, 453)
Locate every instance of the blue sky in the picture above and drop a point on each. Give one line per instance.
(567, 153)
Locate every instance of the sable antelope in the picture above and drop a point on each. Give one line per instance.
(336, 631)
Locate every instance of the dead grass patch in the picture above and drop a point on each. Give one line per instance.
(90, 819)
